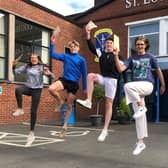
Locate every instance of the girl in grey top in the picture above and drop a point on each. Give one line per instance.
(34, 72)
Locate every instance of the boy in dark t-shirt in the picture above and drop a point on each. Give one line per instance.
(108, 77)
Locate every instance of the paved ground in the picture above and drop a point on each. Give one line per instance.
(80, 148)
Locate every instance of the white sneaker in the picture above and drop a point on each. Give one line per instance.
(103, 135)
(18, 112)
(141, 111)
(86, 103)
(62, 133)
(58, 107)
(139, 148)
(30, 140)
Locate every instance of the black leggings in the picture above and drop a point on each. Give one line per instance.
(35, 94)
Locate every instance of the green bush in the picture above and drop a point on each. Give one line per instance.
(123, 110)
(99, 92)
(98, 95)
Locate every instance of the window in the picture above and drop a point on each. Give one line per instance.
(3, 46)
(150, 30)
(31, 38)
(155, 29)
(167, 43)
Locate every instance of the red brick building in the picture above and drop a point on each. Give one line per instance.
(26, 27)
(129, 19)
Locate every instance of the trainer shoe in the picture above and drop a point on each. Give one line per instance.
(18, 112)
(62, 133)
(103, 135)
(30, 139)
(58, 107)
(86, 103)
(141, 111)
(139, 148)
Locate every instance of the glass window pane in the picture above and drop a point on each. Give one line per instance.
(20, 77)
(167, 43)
(154, 43)
(2, 46)
(2, 68)
(45, 55)
(31, 34)
(31, 38)
(144, 29)
(2, 23)
(24, 49)
(45, 38)
(132, 49)
(151, 31)
(37, 50)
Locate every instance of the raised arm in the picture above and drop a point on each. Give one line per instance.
(53, 54)
(18, 70)
(89, 42)
(84, 74)
(120, 66)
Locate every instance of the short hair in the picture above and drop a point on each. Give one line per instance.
(110, 39)
(146, 41)
(76, 43)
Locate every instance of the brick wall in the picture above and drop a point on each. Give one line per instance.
(115, 16)
(69, 31)
(8, 106)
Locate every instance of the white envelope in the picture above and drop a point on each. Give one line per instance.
(57, 31)
(91, 25)
(116, 42)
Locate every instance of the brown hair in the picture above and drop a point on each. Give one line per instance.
(110, 39)
(38, 57)
(146, 41)
(76, 43)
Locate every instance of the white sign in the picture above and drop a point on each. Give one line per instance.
(91, 25)
(116, 42)
(136, 3)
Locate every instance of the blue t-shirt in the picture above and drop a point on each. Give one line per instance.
(74, 66)
(142, 66)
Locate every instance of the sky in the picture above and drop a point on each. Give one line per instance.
(66, 7)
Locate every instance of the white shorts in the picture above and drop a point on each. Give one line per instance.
(110, 85)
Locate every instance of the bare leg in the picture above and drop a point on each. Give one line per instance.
(56, 90)
(91, 79)
(108, 113)
(70, 100)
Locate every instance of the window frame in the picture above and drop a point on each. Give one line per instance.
(5, 36)
(34, 45)
(162, 21)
